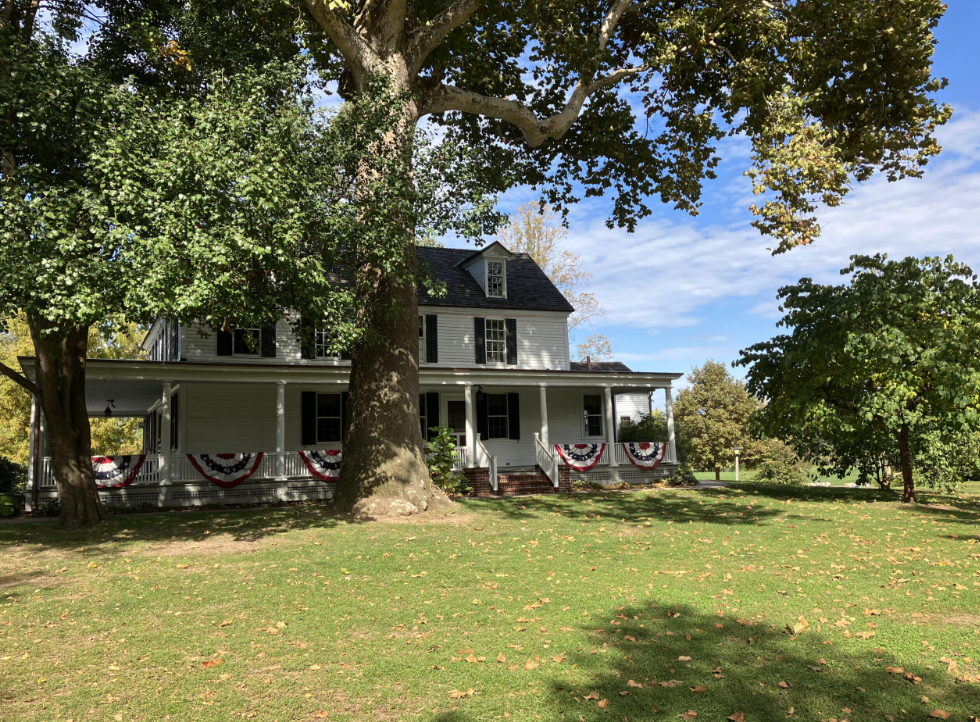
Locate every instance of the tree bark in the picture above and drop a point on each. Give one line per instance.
(61, 382)
(908, 483)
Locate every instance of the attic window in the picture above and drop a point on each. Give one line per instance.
(495, 279)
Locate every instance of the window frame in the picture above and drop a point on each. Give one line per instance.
(321, 340)
(339, 417)
(503, 277)
(422, 349)
(235, 344)
(505, 416)
(423, 416)
(601, 415)
(491, 356)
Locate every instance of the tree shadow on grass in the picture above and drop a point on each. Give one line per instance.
(630, 507)
(658, 661)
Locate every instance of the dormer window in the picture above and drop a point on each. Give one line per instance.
(496, 281)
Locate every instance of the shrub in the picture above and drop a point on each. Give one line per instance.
(13, 477)
(586, 485)
(683, 477)
(440, 459)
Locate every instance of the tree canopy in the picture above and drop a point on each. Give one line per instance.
(885, 365)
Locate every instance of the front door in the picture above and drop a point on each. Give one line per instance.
(456, 420)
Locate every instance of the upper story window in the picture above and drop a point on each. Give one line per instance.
(496, 282)
(248, 341)
(592, 414)
(323, 342)
(496, 340)
(422, 338)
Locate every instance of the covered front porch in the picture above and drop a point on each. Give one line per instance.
(224, 434)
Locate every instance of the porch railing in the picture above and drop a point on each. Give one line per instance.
(545, 458)
(616, 451)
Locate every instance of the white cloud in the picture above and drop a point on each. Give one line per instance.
(664, 275)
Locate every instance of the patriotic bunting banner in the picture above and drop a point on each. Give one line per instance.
(645, 455)
(226, 470)
(324, 465)
(116, 472)
(581, 457)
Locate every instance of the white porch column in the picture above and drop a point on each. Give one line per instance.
(671, 439)
(470, 426)
(280, 430)
(610, 428)
(165, 436)
(545, 439)
(32, 445)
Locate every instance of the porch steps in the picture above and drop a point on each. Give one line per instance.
(524, 483)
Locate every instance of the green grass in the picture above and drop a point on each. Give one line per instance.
(312, 615)
(751, 474)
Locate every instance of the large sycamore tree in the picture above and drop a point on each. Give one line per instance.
(628, 98)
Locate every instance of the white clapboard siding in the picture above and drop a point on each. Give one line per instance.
(225, 418)
(542, 339)
(634, 406)
(565, 415)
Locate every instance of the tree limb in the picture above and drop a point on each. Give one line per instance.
(446, 97)
(20, 379)
(356, 52)
(428, 38)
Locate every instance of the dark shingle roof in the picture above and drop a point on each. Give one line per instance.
(528, 288)
(609, 367)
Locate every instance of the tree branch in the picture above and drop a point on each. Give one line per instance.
(20, 379)
(446, 97)
(428, 38)
(356, 52)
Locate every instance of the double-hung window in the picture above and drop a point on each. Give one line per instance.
(323, 342)
(422, 339)
(496, 336)
(328, 417)
(497, 416)
(248, 341)
(592, 415)
(495, 279)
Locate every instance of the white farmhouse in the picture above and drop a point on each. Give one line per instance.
(234, 420)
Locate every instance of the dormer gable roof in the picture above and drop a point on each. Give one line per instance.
(495, 250)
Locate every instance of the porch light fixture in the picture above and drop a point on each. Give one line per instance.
(109, 407)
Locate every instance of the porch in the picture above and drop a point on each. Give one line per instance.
(267, 422)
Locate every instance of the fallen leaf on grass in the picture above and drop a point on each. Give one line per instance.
(315, 666)
(591, 695)
(671, 683)
(939, 714)
(225, 623)
(603, 703)
(501, 658)
(689, 715)
(699, 689)
(682, 658)
(212, 663)
(632, 683)
(531, 664)
(456, 694)
(799, 627)
(865, 635)
(789, 712)
(784, 685)
(321, 714)
(894, 670)
(737, 717)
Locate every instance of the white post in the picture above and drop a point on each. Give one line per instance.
(280, 430)
(671, 439)
(470, 427)
(165, 436)
(610, 429)
(544, 416)
(32, 445)
(736, 466)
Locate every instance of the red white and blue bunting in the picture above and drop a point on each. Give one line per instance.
(116, 472)
(226, 470)
(581, 457)
(324, 465)
(645, 455)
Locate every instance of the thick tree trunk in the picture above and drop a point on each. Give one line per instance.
(61, 382)
(908, 483)
(384, 472)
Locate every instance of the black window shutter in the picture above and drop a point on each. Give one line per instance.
(308, 406)
(431, 338)
(514, 415)
(225, 343)
(344, 418)
(431, 413)
(307, 332)
(510, 324)
(269, 340)
(482, 422)
(481, 340)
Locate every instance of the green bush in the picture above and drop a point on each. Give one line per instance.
(13, 477)
(683, 477)
(440, 459)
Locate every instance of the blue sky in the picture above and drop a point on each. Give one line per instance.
(681, 290)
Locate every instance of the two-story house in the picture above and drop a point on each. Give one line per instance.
(229, 419)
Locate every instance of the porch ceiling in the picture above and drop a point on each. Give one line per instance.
(131, 397)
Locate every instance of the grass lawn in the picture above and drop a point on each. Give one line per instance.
(619, 606)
